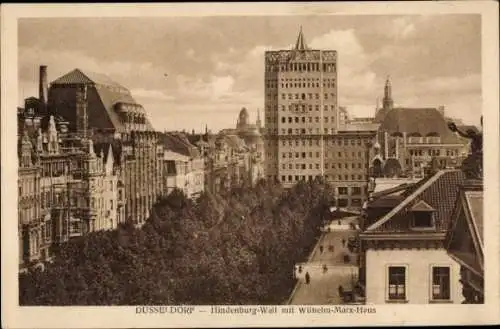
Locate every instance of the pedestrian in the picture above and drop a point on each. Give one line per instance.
(341, 291)
(340, 223)
(325, 268)
(308, 278)
(343, 242)
(300, 269)
(321, 249)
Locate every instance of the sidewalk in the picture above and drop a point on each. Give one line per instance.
(323, 286)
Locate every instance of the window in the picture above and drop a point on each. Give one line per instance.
(422, 219)
(356, 190)
(342, 203)
(343, 190)
(397, 283)
(440, 283)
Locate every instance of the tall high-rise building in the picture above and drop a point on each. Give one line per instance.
(300, 109)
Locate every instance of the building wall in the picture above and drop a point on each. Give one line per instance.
(29, 215)
(142, 174)
(418, 277)
(196, 176)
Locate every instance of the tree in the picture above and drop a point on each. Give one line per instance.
(237, 247)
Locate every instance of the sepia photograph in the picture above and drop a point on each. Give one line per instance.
(256, 164)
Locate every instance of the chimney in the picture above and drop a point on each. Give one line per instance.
(43, 87)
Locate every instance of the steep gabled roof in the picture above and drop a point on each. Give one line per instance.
(439, 192)
(110, 93)
(386, 201)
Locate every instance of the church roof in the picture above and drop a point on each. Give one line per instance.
(424, 121)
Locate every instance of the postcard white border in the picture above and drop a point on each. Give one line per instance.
(14, 316)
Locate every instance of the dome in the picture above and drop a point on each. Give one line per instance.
(243, 117)
(392, 168)
(377, 145)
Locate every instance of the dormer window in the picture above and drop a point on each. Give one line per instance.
(423, 216)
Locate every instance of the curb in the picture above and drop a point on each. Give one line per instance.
(316, 247)
(299, 283)
(294, 291)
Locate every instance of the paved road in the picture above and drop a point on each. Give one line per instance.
(323, 285)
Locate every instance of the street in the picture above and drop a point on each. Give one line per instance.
(327, 270)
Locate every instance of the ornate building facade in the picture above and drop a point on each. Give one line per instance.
(300, 105)
(413, 139)
(67, 191)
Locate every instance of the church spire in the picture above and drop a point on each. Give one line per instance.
(301, 42)
(387, 101)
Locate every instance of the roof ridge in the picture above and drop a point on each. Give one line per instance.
(406, 201)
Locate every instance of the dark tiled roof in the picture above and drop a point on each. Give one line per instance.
(396, 189)
(440, 191)
(424, 121)
(79, 77)
(387, 201)
(179, 143)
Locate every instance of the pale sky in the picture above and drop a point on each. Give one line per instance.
(215, 65)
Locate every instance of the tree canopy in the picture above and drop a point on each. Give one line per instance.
(237, 247)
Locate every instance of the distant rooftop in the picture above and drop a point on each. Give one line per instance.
(77, 76)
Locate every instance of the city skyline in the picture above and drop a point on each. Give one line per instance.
(187, 69)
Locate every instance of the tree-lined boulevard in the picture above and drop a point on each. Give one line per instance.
(237, 247)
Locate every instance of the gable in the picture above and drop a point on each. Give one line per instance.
(440, 192)
(422, 206)
(462, 241)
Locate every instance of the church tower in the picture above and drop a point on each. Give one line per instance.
(388, 102)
